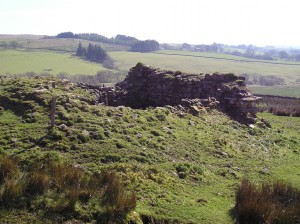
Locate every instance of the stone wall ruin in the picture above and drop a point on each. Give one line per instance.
(146, 86)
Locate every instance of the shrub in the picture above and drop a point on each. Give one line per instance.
(270, 203)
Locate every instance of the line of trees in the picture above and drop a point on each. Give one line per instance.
(135, 44)
(119, 39)
(67, 35)
(92, 52)
(264, 53)
(145, 46)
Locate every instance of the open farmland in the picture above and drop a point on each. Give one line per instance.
(68, 45)
(19, 61)
(35, 42)
(196, 62)
(291, 91)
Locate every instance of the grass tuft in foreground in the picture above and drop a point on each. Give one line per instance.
(56, 186)
(271, 203)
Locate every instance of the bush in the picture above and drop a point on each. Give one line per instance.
(270, 203)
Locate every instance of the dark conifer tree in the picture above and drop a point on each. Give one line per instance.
(92, 52)
(80, 50)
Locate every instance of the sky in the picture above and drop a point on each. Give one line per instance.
(258, 22)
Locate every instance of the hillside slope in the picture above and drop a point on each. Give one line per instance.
(184, 168)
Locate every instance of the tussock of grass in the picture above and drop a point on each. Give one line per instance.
(61, 187)
(11, 192)
(271, 203)
(117, 202)
(38, 183)
(8, 168)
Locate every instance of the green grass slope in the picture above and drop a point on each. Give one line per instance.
(183, 169)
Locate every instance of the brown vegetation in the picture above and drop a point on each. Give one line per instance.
(280, 106)
(62, 186)
(271, 203)
(116, 200)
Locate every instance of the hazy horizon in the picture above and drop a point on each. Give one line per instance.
(261, 23)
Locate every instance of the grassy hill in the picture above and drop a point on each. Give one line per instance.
(183, 168)
(37, 42)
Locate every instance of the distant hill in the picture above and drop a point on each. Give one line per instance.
(38, 42)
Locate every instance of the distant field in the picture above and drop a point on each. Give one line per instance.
(62, 44)
(198, 62)
(292, 91)
(18, 61)
(12, 37)
(69, 45)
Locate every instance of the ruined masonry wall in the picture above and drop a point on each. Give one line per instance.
(147, 86)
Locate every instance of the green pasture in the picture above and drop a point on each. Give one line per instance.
(291, 91)
(19, 61)
(69, 45)
(199, 62)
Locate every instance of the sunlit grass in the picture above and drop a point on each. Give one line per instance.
(18, 61)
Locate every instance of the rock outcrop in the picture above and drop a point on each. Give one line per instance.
(146, 86)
